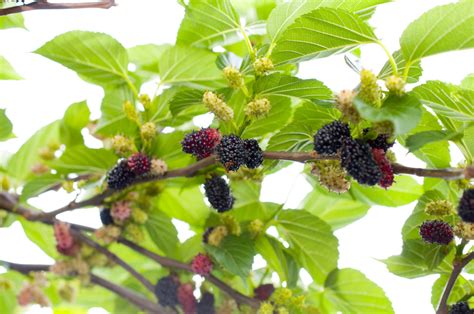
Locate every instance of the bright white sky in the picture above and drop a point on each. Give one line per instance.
(49, 88)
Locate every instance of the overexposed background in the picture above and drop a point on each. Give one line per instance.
(48, 88)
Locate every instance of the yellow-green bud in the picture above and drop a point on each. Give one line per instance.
(123, 145)
(258, 108)
(396, 85)
(5, 284)
(217, 235)
(145, 100)
(282, 310)
(68, 186)
(265, 308)
(130, 111)
(233, 76)
(346, 107)
(46, 154)
(282, 296)
(54, 146)
(108, 234)
(158, 167)
(231, 224)
(298, 301)
(255, 227)
(464, 230)
(97, 260)
(148, 131)
(67, 292)
(139, 216)
(217, 106)
(439, 208)
(331, 175)
(5, 183)
(370, 91)
(86, 251)
(262, 65)
(134, 233)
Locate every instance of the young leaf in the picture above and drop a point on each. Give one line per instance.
(6, 126)
(404, 112)
(96, 57)
(313, 239)
(6, 71)
(349, 291)
(321, 33)
(235, 254)
(444, 28)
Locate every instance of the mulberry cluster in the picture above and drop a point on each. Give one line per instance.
(201, 264)
(166, 290)
(328, 140)
(385, 167)
(206, 304)
(231, 152)
(139, 163)
(254, 156)
(382, 141)
(461, 308)
(436, 231)
(106, 217)
(466, 206)
(218, 193)
(264, 292)
(357, 159)
(126, 171)
(201, 143)
(186, 298)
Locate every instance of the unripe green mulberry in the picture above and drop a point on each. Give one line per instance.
(464, 230)
(148, 131)
(439, 208)
(262, 65)
(139, 216)
(233, 76)
(370, 91)
(396, 85)
(231, 224)
(216, 236)
(265, 308)
(217, 106)
(282, 296)
(130, 111)
(255, 227)
(134, 232)
(145, 100)
(258, 108)
(331, 175)
(122, 145)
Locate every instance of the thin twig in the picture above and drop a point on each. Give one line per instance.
(44, 5)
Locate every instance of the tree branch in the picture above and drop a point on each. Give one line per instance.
(138, 300)
(458, 266)
(44, 5)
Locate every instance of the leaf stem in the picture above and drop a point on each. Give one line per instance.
(390, 58)
(248, 43)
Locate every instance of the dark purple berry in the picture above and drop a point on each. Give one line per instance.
(328, 140)
(466, 206)
(436, 231)
(139, 163)
(218, 193)
(382, 141)
(231, 152)
(206, 304)
(460, 308)
(201, 143)
(120, 176)
(263, 292)
(105, 217)
(357, 159)
(254, 154)
(205, 235)
(166, 290)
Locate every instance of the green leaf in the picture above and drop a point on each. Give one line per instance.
(75, 119)
(6, 70)
(184, 204)
(12, 21)
(462, 288)
(39, 185)
(313, 239)
(418, 140)
(468, 82)
(208, 24)
(404, 112)
(81, 159)
(185, 98)
(272, 251)
(162, 232)
(414, 72)
(420, 259)
(321, 33)
(444, 28)
(190, 66)
(235, 254)
(404, 191)
(41, 235)
(168, 147)
(146, 57)
(349, 291)
(19, 165)
(289, 86)
(285, 14)
(96, 57)
(8, 299)
(6, 126)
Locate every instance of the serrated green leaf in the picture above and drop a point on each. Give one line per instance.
(414, 72)
(193, 67)
(313, 239)
(235, 254)
(444, 28)
(404, 112)
(272, 251)
(168, 147)
(12, 21)
(6, 126)
(321, 33)
(185, 98)
(80, 159)
(349, 291)
(96, 57)
(7, 72)
(289, 86)
(418, 140)
(461, 288)
(162, 232)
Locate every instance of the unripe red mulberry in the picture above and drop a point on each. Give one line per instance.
(466, 206)
(120, 211)
(166, 290)
(384, 166)
(206, 304)
(357, 159)
(436, 231)
(65, 243)
(231, 152)
(328, 140)
(201, 264)
(263, 292)
(218, 193)
(187, 299)
(201, 143)
(254, 156)
(139, 163)
(120, 176)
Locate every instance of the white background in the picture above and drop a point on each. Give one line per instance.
(49, 88)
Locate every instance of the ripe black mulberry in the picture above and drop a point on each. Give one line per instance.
(106, 217)
(120, 176)
(436, 231)
(218, 193)
(328, 140)
(231, 152)
(460, 308)
(206, 304)
(357, 159)
(466, 206)
(166, 290)
(254, 154)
